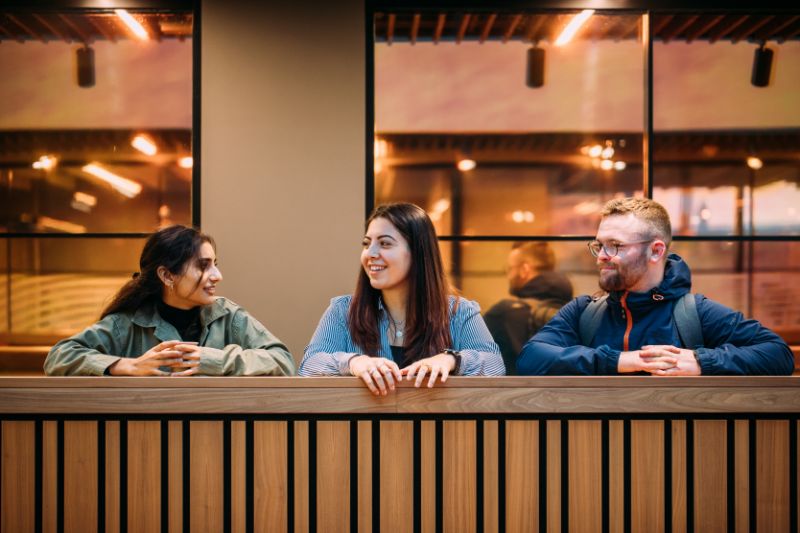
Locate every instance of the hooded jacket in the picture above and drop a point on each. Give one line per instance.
(732, 344)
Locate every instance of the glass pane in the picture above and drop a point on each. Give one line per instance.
(720, 270)
(727, 125)
(95, 123)
(484, 116)
(59, 286)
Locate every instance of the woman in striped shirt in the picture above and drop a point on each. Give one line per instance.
(404, 318)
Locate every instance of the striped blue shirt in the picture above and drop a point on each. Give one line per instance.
(331, 347)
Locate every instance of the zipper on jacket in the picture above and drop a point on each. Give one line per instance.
(629, 318)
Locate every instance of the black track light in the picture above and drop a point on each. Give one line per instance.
(762, 67)
(85, 57)
(535, 67)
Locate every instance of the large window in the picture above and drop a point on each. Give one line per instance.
(503, 133)
(96, 113)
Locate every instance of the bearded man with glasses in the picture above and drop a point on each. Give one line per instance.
(647, 320)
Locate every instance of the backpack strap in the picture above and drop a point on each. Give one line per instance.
(687, 320)
(590, 319)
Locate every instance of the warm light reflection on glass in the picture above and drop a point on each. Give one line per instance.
(46, 162)
(186, 162)
(122, 185)
(134, 25)
(144, 144)
(465, 165)
(754, 163)
(606, 164)
(85, 198)
(574, 25)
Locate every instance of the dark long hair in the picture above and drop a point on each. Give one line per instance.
(427, 313)
(172, 248)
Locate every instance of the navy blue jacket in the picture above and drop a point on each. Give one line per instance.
(732, 344)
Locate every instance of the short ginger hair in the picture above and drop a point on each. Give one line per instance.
(648, 211)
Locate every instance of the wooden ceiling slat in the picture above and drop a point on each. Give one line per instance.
(534, 27)
(487, 27)
(44, 22)
(109, 36)
(26, 28)
(68, 21)
(791, 33)
(12, 36)
(661, 23)
(701, 27)
(437, 34)
(633, 29)
(676, 30)
(415, 27)
(462, 29)
(725, 29)
(749, 29)
(511, 27)
(771, 30)
(390, 29)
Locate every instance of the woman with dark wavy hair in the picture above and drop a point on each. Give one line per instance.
(403, 319)
(168, 320)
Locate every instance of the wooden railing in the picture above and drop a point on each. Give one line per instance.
(308, 454)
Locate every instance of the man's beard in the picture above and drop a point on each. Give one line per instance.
(624, 276)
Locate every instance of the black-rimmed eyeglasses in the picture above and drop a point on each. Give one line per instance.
(611, 249)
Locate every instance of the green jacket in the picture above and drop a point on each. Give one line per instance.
(233, 342)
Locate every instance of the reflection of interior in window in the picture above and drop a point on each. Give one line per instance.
(95, 122)
(499, 133)
(518, 130)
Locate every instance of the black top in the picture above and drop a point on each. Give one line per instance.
(399, 355)
(185, 321)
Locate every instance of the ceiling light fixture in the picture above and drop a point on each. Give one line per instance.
(134, 25)
(574, 25)
(122, 185)
(754, 162)
(144, 144)
(465, 165)
(46, 162)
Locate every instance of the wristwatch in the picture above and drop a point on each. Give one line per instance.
(457, 355)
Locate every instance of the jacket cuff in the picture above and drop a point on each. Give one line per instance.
(212, 362)
(705, 360)
(98, 364)
(611, 362)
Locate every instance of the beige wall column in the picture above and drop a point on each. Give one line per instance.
(282, 155)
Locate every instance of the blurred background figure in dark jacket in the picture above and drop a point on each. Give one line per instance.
(538, 293)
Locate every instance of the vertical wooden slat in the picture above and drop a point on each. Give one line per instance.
(585, 475)
(678, 476)
(772, 475)
(459, 476)
(364, 476)
(333, 476)
(144, 476)
(238, 476)
(175, 478)
(522, 475)
(80, 476)
(490, 476)
(112, 477)
(616, 476)
(301, 476)
(428, 475)
(269, 476)
(742, 462)
(206, 470)
(647, 476)
(49, 480)
(554, 475)
(710, 475)
(17, 507)
(397, 475)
